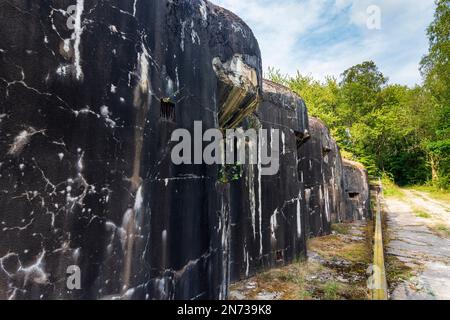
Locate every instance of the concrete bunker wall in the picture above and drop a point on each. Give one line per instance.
(267, 213)
(356, 187)
(86, 177)
(321, 171)
(87, 116)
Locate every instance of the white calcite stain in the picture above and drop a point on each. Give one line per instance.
(63, 70)
(22, 140)
(164, 246)
(66, 45)
(183, 34)
(177, 78)
(138, 202)
(105, 113)
(113, 29)
(326, 196)
(35, 272)
(237, 27)
(247, 262)
(143, 63)
(274, 224)
(224, 228)
(203, 10)
(299, 218)
(260, 196)
(135, 8)
(195, 37)
(252, 197)
(78, 31)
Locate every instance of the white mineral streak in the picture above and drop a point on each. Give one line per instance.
(203, 10)
(35, 272)
(134, 7)
(327, 200)
(138, 201)
(225, 228)
(194, 35)
(133, 217)
(143, 61)
(183, 34)
(247, 259)
(274, 224)
(260, 196)
(252, 197)
(299, 221)
(78, 31)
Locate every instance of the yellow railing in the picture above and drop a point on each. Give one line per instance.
(377, 283)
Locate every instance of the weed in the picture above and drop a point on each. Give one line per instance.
(422, 214)
(331, 290)
(441, 230)
(341, 228)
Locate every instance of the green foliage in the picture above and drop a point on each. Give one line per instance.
(371, 121)
(390, 189)
(331, 290)
(230, 172)
(393, 129)
(435, 68)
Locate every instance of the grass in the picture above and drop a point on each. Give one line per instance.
(441, 230)
(290, 281)
(341, 228)
(390, 189)
(396, 271)
(433, 192)
(331, 290)
(320, 279)
(422, 214)
(331, 247)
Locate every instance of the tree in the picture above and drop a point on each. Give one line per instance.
(393, 129)
(361, 86)
(435, 68)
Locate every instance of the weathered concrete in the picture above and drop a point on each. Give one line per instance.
(85, 172)
(356, 187)
(321, 171)
(267, 216)
(86, 178)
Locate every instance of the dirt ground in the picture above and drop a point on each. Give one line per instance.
(335, 270)
(419, 239)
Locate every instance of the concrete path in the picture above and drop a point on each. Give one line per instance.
(412, 223)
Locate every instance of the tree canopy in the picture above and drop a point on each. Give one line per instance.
(392, 129)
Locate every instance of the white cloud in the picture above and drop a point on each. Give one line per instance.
(324, 37)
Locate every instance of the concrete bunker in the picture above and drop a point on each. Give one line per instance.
(356, 188)
(101, 192)
(267, 212)
(104, 193)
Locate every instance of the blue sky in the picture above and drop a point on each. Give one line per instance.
(325, 37)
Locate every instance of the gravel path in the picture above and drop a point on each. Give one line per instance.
(415, 243)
